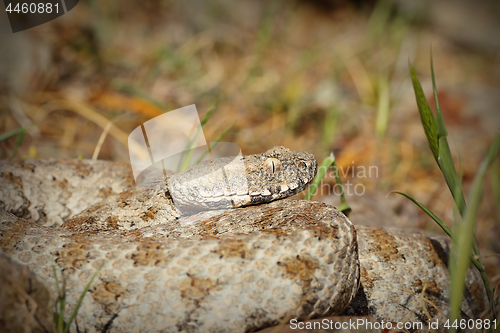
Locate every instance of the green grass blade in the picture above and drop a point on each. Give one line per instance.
(19, 142)
(428, 212)
(439, 222)
(383, 107)
(426, 116)
(217, 140)
(62, 301)
(447, 167)
(58, 316)
(10, 134)
(188, 149)
(436, 134)
(445, 160)
(208, 113)
(441, 128)
(21, 132)
(184, 161)
(465, 236)
(79, 303)
(329, 162)
(343, 207)
(495, 184)
(55, 277)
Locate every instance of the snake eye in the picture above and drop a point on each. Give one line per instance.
(272, 165)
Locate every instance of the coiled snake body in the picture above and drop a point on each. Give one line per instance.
(239, 270)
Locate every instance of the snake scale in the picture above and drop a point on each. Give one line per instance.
(237, 270)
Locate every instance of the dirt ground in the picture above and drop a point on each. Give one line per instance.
(321, 76)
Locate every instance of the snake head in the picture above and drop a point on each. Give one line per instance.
(278, 173)
(235, 182)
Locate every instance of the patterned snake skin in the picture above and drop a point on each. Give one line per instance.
(238, 270)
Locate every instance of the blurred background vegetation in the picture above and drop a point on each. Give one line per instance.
(321, 76)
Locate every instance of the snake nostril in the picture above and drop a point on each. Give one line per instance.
(301, 165)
